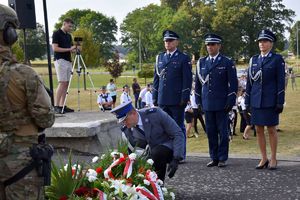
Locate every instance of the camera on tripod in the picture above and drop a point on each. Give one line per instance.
(78, 40)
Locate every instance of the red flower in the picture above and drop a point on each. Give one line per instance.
(64, 197)
(73, 172)
(122, 159)
(99, 170)
(81, 191)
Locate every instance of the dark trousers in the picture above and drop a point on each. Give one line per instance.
(143, 104)
(161, 155)
(235, 121)
(136, 100)
(243, 123)
(198, 115)
(177, 113)
(217, 133)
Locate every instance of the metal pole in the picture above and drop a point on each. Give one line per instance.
(297, 46)
(48, 51)
(140, 51)
(25, 46)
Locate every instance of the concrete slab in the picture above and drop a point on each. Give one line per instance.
(91, 132)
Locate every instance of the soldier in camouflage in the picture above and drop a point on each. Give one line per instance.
(25, 110)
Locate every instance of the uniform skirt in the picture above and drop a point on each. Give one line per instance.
(264, 116)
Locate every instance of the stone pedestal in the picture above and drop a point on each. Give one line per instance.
(92, 132)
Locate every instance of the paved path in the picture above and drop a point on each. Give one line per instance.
(239, 180)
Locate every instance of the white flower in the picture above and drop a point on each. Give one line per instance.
(95, 159)
(164, 189)
(102, 156)
(114, 153)
(89, 198)
(91, 172)
(66, 167)
(150, 161)
(132, 156)
(153, 176)
(172, 195)
(92, 178)
(141, 175)
(160, 182)
(76, 166)
(146, 182)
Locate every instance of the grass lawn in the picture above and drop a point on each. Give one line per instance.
(289, 139)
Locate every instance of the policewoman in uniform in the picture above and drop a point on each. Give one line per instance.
(265, 95)
(172, 79)
(25, 111)
(215, 88)
(153, 127)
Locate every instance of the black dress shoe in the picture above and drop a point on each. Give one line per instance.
(212, 163)
(58, 110)
(222, 164)
(67, 109)
(263, 166)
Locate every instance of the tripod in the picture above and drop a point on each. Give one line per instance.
(78, 59)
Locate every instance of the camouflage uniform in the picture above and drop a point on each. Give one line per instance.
(25, 108)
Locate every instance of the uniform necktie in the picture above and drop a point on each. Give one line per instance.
(211, 60)
(169, 56)
(137, 127)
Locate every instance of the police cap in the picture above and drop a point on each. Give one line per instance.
(168, 34)
(212, 38)
(122, 110)
(266, 35)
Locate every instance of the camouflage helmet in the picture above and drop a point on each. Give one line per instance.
(8, 15)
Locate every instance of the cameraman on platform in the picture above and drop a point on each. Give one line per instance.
(62, 46)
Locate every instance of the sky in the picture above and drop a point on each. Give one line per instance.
(111, 8)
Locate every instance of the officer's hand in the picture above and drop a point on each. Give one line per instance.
(173, 166)
(228, 108)
(279, 108)
(200, 108)
(183, 103)
(155, 103)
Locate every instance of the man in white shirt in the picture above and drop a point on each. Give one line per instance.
(125, 97)
(112, 89)
(104, 100)
(148, 96)
(142, 97)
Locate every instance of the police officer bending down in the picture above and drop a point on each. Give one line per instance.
(153, 127)
(25, 109)
(215, 88)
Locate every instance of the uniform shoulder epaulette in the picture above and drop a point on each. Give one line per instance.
(151, 110)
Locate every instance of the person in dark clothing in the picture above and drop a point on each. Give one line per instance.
(136, 92)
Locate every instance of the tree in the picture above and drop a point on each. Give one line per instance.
(103, 29)
(75, 15)
(114, 67)
(293, 38)
(35, 41)
(18, 52)
(239, 22)
(174, 4)
(90, 50)
(146, 23)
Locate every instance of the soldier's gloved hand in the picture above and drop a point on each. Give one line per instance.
(173, 166)
(279, 108)
(228, 108)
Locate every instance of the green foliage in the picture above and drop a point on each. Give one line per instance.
(293, 38)
(18, 52)
(35, 41)
(146, 23)
(146, 72)
(174, 4)
(64, 180)
(102, 28)
(90, 50)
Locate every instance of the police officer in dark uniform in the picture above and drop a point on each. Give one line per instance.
(153, 127)
(215, 88)
(172, 79)
(265, 95)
